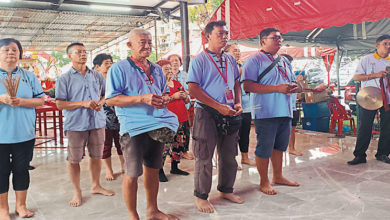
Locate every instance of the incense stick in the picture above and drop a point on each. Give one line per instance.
(252, 108)
(11, 85)
(99, 97)
(166, 85)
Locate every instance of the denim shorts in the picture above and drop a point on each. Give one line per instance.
(272, 134)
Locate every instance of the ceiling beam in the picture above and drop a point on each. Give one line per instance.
(56, 5)
(58, 42)
(55, 36)
(68, 24)
(73, 30)
(87, 3)
(159, 5)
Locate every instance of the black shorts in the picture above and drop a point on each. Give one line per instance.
(296, 116)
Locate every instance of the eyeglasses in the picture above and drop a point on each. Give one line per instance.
(80, 52)
(275, 38)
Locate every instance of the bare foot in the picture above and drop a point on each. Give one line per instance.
(4, 214)
(231, 197)
(23, 212)
(188, 156)
(284, 181)
(248, 162)
(239, 167)
(294, 152)
(204, 205)
(110, 176)
(160, 216)
(103, 191)
(133, 216)
(266, 188)
(76, 200)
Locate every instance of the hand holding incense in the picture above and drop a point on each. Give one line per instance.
(11, 85)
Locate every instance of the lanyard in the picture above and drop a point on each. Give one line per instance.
(140, 65)
(220, 73)
(284, 73)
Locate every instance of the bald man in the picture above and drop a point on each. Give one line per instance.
(135, 87)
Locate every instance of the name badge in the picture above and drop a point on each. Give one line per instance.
(229, 96)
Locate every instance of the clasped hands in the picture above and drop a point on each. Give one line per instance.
(288, 88)
(12, 101)
(229, 111)
(94, 105)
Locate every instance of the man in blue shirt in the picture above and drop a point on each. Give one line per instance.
(214, 81)
(273, 118)
(80, 93)
(136, 87)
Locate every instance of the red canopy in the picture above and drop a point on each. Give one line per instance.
(246, 52)
(245, 18)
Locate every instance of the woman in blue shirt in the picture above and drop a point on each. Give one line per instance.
(17, 127)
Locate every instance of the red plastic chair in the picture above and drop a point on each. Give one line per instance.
(338, 116)
(45, 112)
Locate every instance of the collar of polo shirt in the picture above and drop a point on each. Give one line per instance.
(13, 71)
(376, 56)
(76, 71)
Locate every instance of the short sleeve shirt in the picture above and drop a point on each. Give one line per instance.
(126, 78)
(373, 63)
(271, 105)
(245, 100)
(181, 78)
(17, 124)
(73, 86)
(203, 71)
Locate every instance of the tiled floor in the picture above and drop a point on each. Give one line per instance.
(330, 189)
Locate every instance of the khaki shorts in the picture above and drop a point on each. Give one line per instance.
(77, 140)
(138, 150)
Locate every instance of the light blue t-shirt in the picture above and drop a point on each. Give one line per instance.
(203, 72)
(74, 86)
(294, 101)
(273, 104)
(246, 105)
(17, 124)
(126, 78)
(181, 78)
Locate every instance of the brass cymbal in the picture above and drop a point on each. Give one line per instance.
(370, 98)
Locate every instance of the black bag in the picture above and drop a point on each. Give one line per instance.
(226, 125)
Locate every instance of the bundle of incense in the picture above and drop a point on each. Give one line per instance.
(166, 85)
(11, 85)
(99, 95)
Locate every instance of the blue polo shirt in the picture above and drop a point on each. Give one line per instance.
(245, 99)
(17, 124)
(294, 101)
(181, 78)
(203, 72)
(126, 78)
(74, 86)
(273, 104)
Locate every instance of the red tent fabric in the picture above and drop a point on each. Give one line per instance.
(246, 52)
(245, 18)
